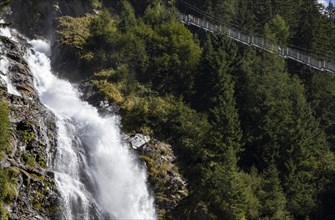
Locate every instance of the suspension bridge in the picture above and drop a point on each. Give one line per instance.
(255, 41)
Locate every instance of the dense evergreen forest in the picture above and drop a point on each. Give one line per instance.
(254, 133)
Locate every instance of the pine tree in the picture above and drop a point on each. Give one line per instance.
(127, 16)
(216, 93)
(272, 196)
(246, 18)
(226, 193)
(330, 11)
(321, 90)
(309, 21)
(224, 11)
(263, 12)
(308, 163)
(279, 125)
(289, 11)
(276, 30)
(224, 189)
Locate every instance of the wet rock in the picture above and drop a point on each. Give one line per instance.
(33, 132)
(107, 108)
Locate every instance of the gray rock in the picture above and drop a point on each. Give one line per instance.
(168, 184)
(138, 140)
(32, 127)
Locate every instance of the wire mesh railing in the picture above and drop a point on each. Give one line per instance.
(237, 35)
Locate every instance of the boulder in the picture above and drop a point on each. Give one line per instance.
(138, 140)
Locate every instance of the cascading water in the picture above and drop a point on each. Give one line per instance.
(97, 175)
(4, 64)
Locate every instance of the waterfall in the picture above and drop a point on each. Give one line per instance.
(97, 174)
(4, 63)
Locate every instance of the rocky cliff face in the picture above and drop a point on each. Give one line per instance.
(38, 19)
(167, 182)
(33, 139)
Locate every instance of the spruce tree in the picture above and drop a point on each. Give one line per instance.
(272, 196)
(279, 125)
(226, 193)
(224, 188)
(217, 93)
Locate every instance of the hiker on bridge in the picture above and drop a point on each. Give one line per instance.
(190, 18)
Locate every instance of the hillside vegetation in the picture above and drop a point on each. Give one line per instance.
(8, 176)
(254, 133)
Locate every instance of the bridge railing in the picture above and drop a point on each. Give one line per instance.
(259, 42)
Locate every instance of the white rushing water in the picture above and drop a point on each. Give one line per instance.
(4, 63)
(97, 175)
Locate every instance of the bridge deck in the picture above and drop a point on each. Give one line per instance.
(261, 43)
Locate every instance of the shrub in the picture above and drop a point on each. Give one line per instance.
(74, 32)
(4, 127)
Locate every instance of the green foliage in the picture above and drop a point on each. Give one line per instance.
(37, 203)
(322, 96)
(108, 47)
(167, 118)
(157, 14)
(96, 3)
(74, 32)
(4, 127)
(224, 188)
(27, 136)
(308, 24)
(249, 105)
(101, 28)
(279, 125)
(127, 16)
(109, 90)
(29, 160)
(7, 190)
(173, 58)
(272, 196)
(7, 176)
(216, 91)
(145, 112)
(276, 30)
